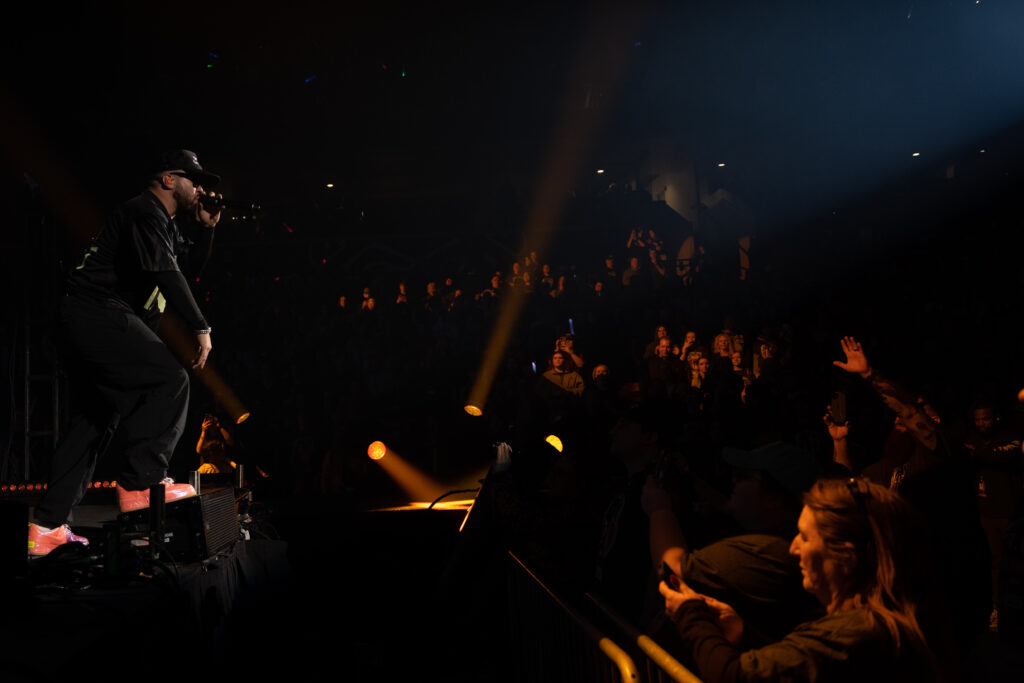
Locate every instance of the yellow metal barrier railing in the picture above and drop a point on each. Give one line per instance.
(554, 641)
(661, 666)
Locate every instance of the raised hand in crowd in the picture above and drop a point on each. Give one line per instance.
(900, 401)
(856, 361)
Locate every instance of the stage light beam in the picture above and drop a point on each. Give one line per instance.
(571, 141)
(414, 482)
(181, 341)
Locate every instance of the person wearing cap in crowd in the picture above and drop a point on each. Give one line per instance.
(130, 381)
(752, 571)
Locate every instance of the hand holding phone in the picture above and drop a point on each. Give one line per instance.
(670, 578)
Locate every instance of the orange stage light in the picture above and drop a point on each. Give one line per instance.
(376, 450)
(473, 410)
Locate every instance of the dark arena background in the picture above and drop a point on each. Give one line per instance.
(427, 201)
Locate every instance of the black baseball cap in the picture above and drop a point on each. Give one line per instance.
(186, 161)
(791, 466)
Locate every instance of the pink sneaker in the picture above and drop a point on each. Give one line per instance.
(42, 540)
(136, 500)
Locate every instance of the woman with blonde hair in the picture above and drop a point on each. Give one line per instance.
(857, 556)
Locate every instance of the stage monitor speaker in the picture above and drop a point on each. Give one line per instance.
(195, 529)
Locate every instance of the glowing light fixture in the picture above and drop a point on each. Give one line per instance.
(242, 418)
(473, 410)
(330, 186)
(600, 171)
(555, 442)
(916, 154)
(376, 450)
(721, 164)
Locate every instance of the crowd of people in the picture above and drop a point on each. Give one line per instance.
(697, 414)
(902, 562)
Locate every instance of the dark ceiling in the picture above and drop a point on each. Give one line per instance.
(806, 101)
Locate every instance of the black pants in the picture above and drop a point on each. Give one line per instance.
(127, 381)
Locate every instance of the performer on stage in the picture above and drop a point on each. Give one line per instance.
(126, 378)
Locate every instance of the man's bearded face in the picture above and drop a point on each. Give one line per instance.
(185, 195)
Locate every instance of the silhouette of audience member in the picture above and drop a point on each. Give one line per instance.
(659, 333)
(492, 290)
(935, 482)
(516, 278)
(995, 452)
(547, 280)
(432, 302)
(560, 387)
(610, 276)
(664, 371)
(657, 270)
(563, 375)
(527, 282)
(631, 274)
